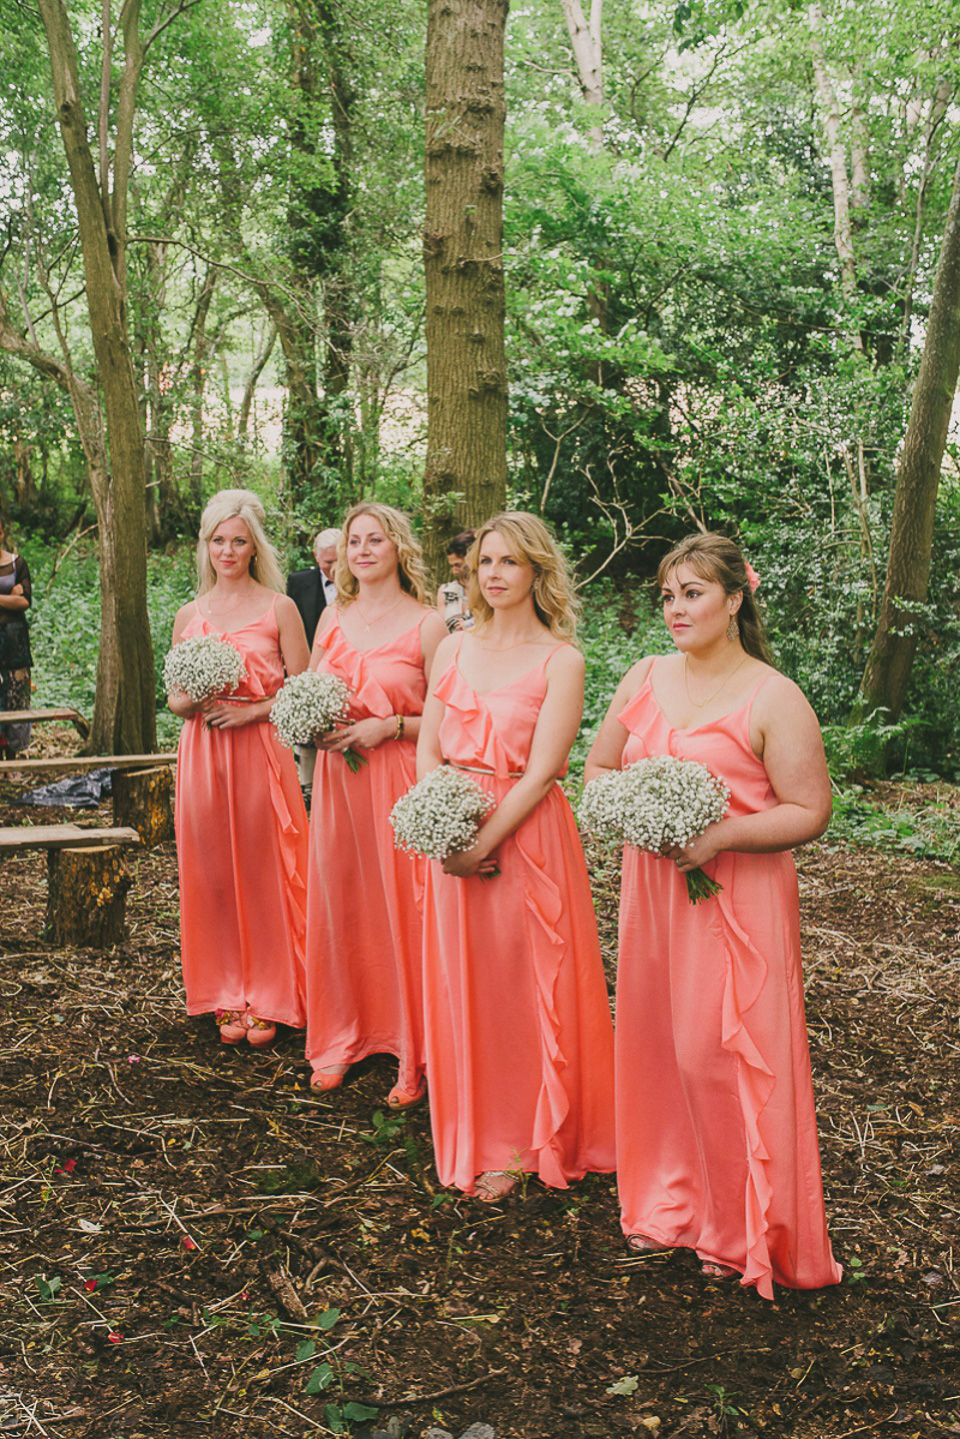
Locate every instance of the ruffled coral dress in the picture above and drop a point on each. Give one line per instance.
(364, 932)
(519, 1033)
(242, 850)
(716, 1132)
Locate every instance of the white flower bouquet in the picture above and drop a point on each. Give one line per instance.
(656, 804)
(441, 814)
(309, 704)
(202, 667)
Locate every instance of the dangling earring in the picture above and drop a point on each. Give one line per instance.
(733, 628)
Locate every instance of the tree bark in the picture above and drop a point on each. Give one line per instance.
(887, 672)
(466, 469)
(143, 799)
(124, 718)
(87, 895)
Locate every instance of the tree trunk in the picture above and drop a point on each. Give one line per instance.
(466, 470)
(887, 673)
(87, 895)
(124, 718)
(142, 799)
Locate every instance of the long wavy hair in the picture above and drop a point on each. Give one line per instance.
(529, 540)
(715, 557)
(242, 505)
(411, 569)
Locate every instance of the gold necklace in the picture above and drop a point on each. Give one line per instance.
(702, 704)
(383, 614)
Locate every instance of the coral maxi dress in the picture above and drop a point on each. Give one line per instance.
(519, 1033)
(364, 988)
(716, 1132)
(242, 849)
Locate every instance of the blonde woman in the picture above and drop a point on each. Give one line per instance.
(364, 991)
(518, 1029)
(716, 1132)
(240, 821)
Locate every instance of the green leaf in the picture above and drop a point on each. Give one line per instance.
(305, 1351)
(357, 1412)
(328, 1318)
(320, 1379)
(626, 1385)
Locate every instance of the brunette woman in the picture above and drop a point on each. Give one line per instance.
(716, 1135)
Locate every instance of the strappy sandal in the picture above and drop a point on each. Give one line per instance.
(260, 1032)
(717, 1273)
(231, 1022)
(400, 1098)
(488, 1191)
(640, 1244)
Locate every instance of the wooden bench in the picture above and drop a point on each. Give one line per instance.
(63, 764)
(87, 878)
(41, 716)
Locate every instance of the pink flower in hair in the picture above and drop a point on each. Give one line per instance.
(753, 579)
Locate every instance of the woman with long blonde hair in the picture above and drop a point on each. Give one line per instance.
(240, 821)
(518, 1029)
(364, 991)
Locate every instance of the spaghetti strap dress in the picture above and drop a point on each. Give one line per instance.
(518, 1023)
(365, 897)
(716, 1132)
(242, 849)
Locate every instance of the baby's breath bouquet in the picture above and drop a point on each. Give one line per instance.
(441, 814)
(656, 804)
(309, 704)
(202, 667)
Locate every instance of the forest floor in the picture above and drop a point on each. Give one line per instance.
(192, 1243)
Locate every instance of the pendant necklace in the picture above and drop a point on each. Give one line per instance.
(701, 704)
(383, 614)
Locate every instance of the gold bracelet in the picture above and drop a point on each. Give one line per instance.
(398, 733)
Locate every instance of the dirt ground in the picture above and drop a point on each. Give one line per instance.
(192, 1243)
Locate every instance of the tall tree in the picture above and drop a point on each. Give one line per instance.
(887, 672)
(466, 469)
(125, 710)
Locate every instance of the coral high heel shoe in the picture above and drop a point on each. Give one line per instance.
(233, 1030)
(327, 1079)
(260, 1032)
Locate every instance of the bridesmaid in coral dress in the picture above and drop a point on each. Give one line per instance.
(240, 821)
(364, 928)
(716, 1132)
(518, 1027)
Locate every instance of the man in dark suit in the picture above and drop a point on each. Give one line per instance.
(311, 591)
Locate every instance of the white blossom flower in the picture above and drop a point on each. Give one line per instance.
(441, 814)
(657, 804)
(309, 704)
(202, 667)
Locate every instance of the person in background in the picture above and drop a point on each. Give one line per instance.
(311, 591)
(15, 658)
(716, 1133)
(240, 821)
(519, 1038)
(364, 921)
(452, 596)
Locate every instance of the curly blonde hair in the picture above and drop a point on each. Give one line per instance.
(242, 505)
(412, 571)
(715, 557)
(529, 541)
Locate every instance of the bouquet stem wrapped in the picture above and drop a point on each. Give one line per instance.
(657, 804)
(441, 814)
(202, 667)
(309, 704)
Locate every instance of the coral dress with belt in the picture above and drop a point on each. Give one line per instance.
(242, 849)
(716, 1132)
(519, 1033)
(364, 933)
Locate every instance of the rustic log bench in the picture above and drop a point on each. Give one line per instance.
(40, 716)
(142, 786)
(87, 878)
